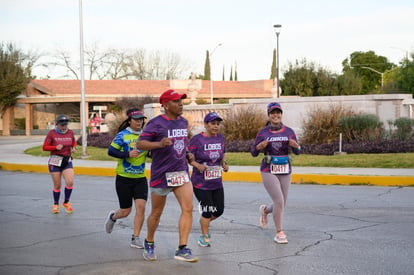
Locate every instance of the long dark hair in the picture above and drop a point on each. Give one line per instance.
(125, 123)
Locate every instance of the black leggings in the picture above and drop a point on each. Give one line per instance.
(211, 202)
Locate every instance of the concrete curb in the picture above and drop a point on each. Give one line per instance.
(240, 176)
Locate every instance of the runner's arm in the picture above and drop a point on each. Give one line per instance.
(113, 152)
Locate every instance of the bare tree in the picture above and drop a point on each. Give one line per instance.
(64, 60)
(154, 66)
(137, 64)
(118, 64)
(172, 66)
(108, 63)
(96, 61)
(123, 64)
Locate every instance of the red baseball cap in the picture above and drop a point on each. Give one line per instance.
(171, 95)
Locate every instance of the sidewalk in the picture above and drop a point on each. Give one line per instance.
(12, 158)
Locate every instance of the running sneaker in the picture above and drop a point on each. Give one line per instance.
(149, 253)
(204, 241)
(55, 209)
(109, 223)
(68, 207)
(281, 238)
(184, 254)
(136, 242)
(263, 216)
(208, 230)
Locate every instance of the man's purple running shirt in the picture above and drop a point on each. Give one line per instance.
(170, 158)
(208, 151)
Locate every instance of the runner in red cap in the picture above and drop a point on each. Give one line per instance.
(166, 136)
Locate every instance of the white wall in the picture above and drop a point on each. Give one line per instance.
(295, 109)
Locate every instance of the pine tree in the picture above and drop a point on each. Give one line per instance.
(223, 74)
(14, 74)
(231, 73)
(207, 70)
(235, 71)
(274, 66)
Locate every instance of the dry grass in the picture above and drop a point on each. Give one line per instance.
(243, 123)
(321, 125)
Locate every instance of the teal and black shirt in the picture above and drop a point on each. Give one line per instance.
(124, 142)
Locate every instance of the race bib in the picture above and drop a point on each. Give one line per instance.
(279, 168)
(212, 172)
(279, 165)
(55, 160)
(178, 178)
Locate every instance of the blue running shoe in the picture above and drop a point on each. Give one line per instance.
(149, 254)
(204, 241)
(208, 230)
(184, 254)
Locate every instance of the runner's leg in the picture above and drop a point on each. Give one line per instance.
(157, 206)
(184, 195)
(273, 188)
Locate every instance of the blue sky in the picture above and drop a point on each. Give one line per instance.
(322, 31)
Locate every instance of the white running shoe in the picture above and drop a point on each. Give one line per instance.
(109, 223)
(281, 238)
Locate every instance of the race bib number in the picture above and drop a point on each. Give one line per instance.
(178, 178)
(279, 168)
(212, 172)
(55, 160)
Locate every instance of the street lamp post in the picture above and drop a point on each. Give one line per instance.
(382, 75)
(375, 71)
(277, 28)
(82, 82)
(210, 54)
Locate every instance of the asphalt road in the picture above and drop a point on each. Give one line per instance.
(332, 229)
